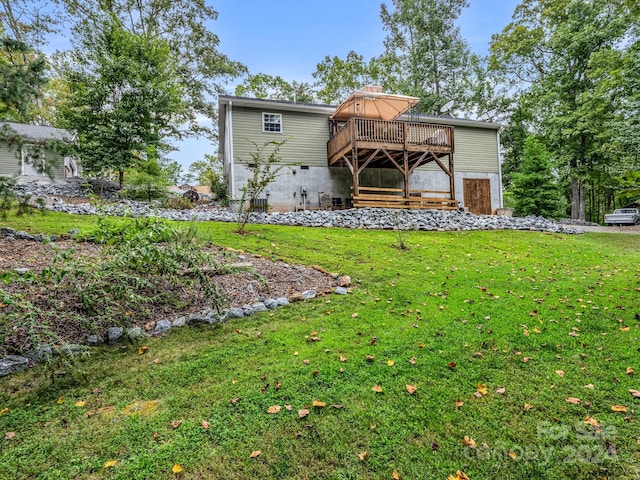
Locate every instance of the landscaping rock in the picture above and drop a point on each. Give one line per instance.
(7, 231)
(235, 313)
(94, 340)
(282, 301)
(341, 291)
(198, 318)
(115, 334)
(12, 364)
(71, 349)
(162, 326)
(259, 307)
(40, 354)
(270, 303)
(344, 281)
(21, 270)
(309, 294)
(179, 322)
(135, 333)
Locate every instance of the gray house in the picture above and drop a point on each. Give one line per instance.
(31, 159)
(367, 152)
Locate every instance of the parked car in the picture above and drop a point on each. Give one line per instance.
(623, 216)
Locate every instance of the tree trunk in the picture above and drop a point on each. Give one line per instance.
(120, 179)
(578, 199)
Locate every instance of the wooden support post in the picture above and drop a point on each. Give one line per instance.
(406, 173)
(356, 173)
(452, 182)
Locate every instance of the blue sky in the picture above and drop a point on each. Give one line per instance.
(290, 37)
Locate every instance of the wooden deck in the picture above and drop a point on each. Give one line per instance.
(366, 143)
(393, 137)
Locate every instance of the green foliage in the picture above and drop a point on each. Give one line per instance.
(337, 78)
(200, 70)
(7, 196)
(550, 49)
(425, 54)
(22, 75)
(534, 186)
(262, 85)
(264, 168)
(147, 180)
(177, 203)
(209, 172)
(125, 99)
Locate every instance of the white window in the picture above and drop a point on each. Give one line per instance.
(271, 122)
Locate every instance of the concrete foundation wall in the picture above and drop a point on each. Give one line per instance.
(285, 192)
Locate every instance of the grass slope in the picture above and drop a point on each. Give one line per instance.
(546, 317)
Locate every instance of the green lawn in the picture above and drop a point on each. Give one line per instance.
(544, 317)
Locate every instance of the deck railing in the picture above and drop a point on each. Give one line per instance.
(392, 134)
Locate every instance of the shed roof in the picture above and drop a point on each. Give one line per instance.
(37, 133)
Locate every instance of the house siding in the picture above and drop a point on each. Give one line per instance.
(476, 151)
(11, 164)
(306, 135)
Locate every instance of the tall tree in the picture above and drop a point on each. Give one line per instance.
(534, 185)
(184, 25)
(547, 49)
(22, 74)
(262, 85)
(125, 99)
(336, 78)
(29, 21)
(425, 54)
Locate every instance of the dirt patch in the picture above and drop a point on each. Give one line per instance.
(257, 278)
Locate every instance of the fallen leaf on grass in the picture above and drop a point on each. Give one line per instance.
(594, 422)
(574, 334)
(3, 411)
(635, 393)
(501, 390)
(343, 358)
(176, 423)
(527, 407)
(391, 363)
(354, 315)
(572, 400)
(452, 365)
(235, 400)
(395, 475)
(142, 350)
(306, 361)
(204, 424)
(370, 358)
(110, 463)
(362, 455)
(303, 413)
(560, 373)
(458, 476)
(624, 329)
(377, 388)
(80, 403)
(630, 371)
(177, 468)
(274, 409)
(512, 455)
(421, 345)
(482, 389)
(9, 435)
(459, 403)
(590, 386)
(469, 442)
(60, 401)
(618, 408)
(319, 404)
(412, 361)
(288, 407)
(411, 389)
(255, 454)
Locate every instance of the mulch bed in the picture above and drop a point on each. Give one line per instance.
(263, 279)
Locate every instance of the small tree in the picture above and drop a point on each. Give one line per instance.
(534, 187)
(264, 170)
(209, 172)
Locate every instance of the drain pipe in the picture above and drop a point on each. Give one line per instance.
(229, 131)
(499, 169)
